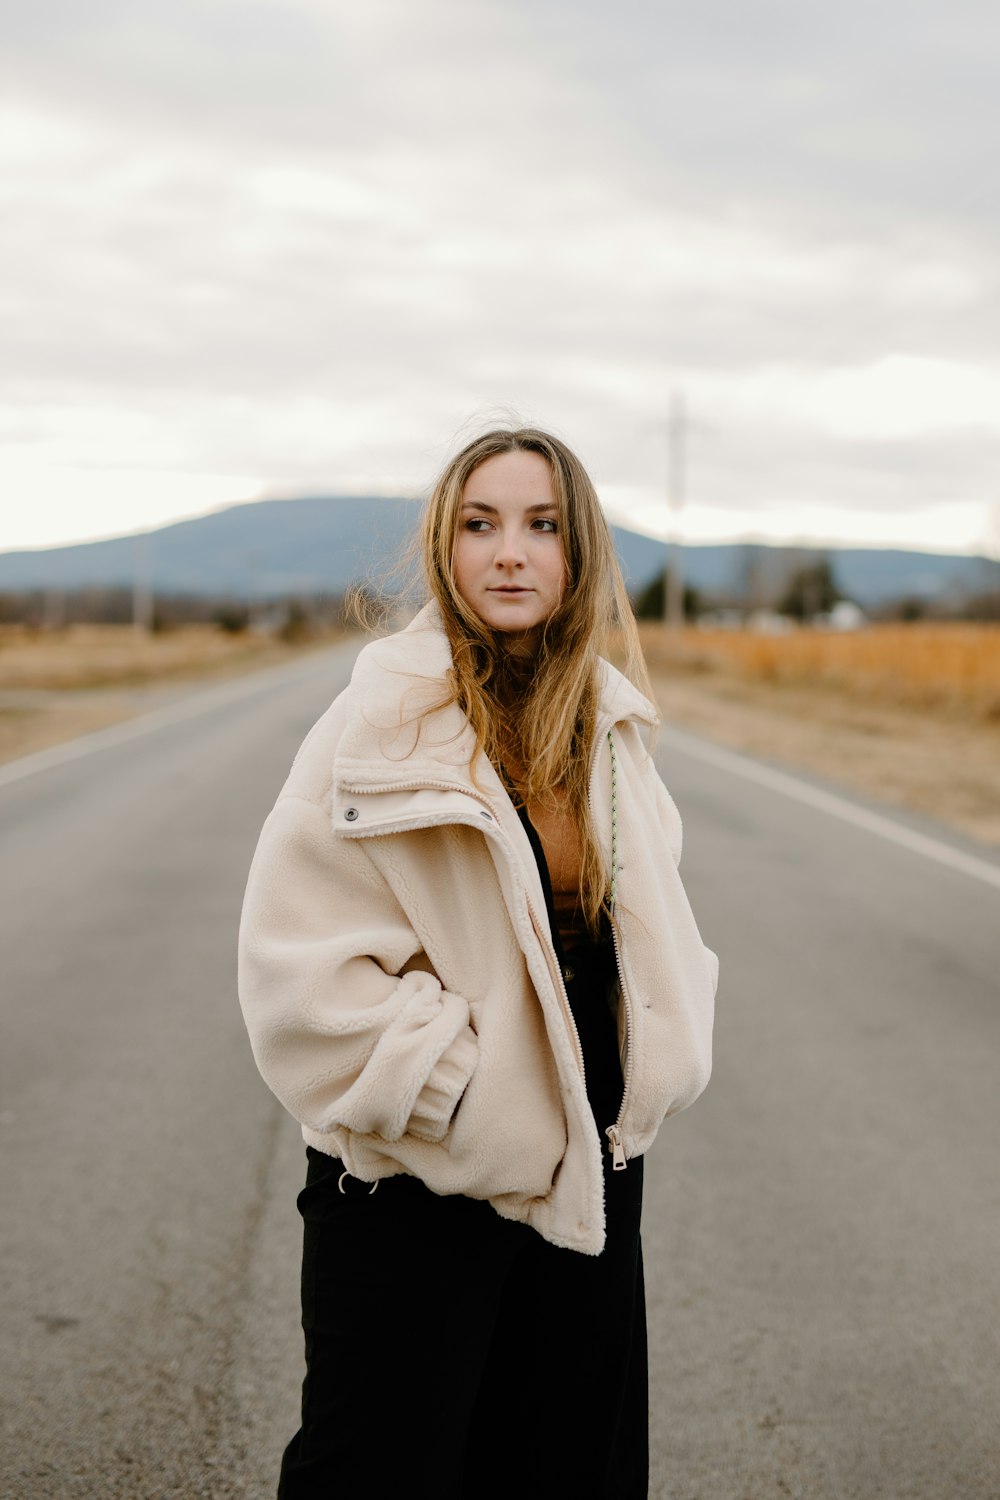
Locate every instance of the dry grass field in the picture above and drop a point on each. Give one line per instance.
(953, 667)
(61, 683)
(909, 714)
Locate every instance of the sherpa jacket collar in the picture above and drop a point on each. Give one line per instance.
(390, 743)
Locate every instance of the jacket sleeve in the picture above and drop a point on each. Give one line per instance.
(346, 1028)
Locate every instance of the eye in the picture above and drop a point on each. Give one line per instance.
(546, 523)
(476, 524)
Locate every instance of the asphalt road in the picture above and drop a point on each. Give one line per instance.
(822, 1230)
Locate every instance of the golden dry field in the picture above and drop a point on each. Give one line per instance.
(56, 684)
(909, 714)
(950, 666)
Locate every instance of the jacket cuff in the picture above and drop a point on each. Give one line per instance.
(438, 1099)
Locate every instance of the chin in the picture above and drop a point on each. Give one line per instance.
(507, 626)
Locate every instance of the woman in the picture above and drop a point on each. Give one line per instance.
(469, 969)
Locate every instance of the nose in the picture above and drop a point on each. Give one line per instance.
(510, 549)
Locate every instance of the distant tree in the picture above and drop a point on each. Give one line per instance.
(296, 626)
(983, 606)
(232, 618)
(810, 589)
(164, 618)
(910, 607)
(648, 603)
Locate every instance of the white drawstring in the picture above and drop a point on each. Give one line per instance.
(340, 1183)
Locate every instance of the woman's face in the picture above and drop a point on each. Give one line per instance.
(508, 562)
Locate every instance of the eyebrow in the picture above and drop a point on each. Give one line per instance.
(531, 510)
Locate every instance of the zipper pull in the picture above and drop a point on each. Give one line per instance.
(616, 1148)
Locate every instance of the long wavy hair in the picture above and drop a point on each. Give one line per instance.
(535, 718)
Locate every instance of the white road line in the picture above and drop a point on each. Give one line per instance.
(836, 807)
(191, 707)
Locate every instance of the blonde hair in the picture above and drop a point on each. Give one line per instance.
(535, 719)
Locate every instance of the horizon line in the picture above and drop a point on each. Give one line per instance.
(738, 539)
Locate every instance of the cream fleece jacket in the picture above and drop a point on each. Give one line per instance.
(396, 971)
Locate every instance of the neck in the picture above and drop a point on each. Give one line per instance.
(514, 671)
(519, 646)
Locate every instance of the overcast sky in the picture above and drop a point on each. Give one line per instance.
(308, 246)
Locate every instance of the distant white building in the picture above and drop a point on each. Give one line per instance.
(845, 615)
(769, 622)
(720, 619)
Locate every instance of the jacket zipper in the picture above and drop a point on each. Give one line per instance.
(546, 943)
(417, 786)
(614, 1132)
(564, 996)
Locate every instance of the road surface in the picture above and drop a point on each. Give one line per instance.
(822, 1230)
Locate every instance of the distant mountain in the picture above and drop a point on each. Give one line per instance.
(259, 551)
(274, 548)
(871, 576)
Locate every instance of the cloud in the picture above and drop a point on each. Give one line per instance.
(883, 113)
(305, 242)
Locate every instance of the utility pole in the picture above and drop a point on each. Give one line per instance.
(142, 584)
(54, 608)
(673, 592)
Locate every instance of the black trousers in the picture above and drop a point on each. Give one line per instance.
(456, 1355)
(452, 1353)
